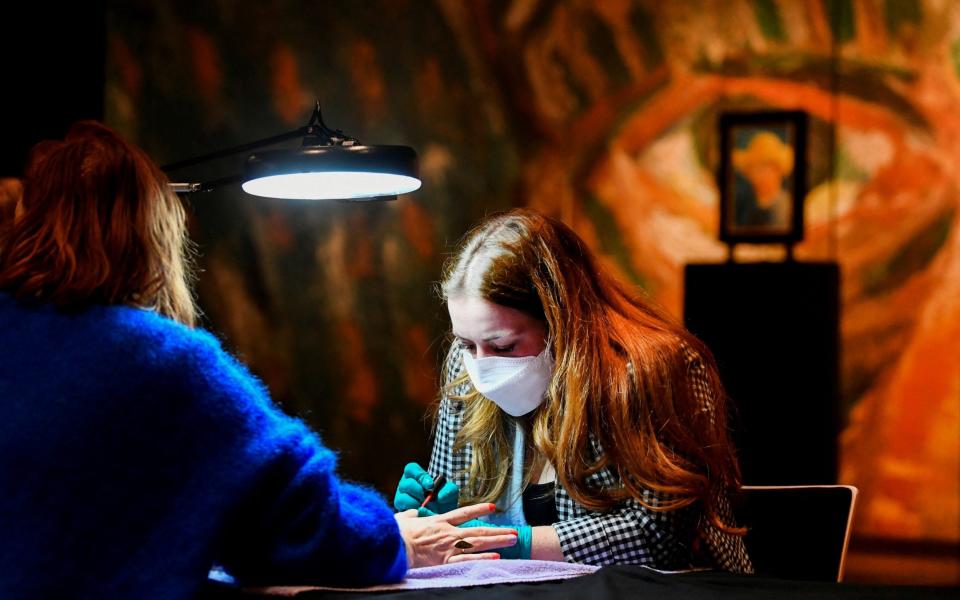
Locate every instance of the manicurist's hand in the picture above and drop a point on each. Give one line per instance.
(414, 486)
(436, 540)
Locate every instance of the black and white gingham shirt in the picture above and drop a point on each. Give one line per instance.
(629, 533)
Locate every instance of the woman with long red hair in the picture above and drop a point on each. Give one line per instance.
(594, 421)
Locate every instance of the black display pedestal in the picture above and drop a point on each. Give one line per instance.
(774, 330)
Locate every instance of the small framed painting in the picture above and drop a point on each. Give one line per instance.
(762, 176)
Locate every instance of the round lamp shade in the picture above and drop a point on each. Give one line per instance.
(332, 172)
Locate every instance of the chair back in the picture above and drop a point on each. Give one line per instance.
(798, 531)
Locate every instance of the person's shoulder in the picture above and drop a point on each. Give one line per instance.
(157, 342)
(125, 330)
(691, 356)
(194, 356)
(675, 347)
(141, 329)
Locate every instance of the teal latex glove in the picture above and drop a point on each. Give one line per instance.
(521, 550)
(414, 487)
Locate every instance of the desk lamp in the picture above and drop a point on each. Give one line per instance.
(328, 165)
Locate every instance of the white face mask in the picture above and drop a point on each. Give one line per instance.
(516, 384)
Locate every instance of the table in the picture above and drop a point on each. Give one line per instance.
(620, 582)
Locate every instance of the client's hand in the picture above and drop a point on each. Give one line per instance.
(436, 540)
(521, 550)
(416, 484)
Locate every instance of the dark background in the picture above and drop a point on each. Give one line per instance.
(52, 57)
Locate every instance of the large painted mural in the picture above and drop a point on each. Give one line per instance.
(601, 113)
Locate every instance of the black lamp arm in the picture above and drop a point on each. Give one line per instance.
(206, 186)
(196, 160)
(315, 132)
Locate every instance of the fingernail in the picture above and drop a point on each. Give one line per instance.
(491, 507)
(496, 557)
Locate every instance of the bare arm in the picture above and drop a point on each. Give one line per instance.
(546, 544)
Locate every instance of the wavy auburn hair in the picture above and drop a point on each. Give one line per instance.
(626, 376)
(98, 225)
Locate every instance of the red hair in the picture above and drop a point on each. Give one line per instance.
(97, 225)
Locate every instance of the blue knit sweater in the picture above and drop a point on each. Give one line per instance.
(135, 452)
